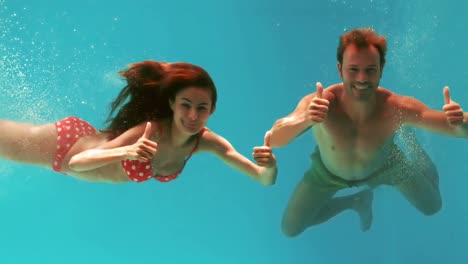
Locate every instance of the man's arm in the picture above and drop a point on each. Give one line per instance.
(286, 129)
(312, 109)
(420, 115)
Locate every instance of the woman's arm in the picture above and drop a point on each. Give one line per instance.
(220, 147)
(135, 143)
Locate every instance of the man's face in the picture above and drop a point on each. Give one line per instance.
(360, 71)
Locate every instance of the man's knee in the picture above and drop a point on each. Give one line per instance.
(291, 229)
(291, 226)
(432, 208)
(432, 203)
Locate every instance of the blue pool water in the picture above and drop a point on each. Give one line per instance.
(60, 58)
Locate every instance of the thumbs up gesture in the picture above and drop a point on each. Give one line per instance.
(144, 149)
(263, 155)
(452, 110)
(318, 108)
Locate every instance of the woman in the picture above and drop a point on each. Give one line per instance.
(159, 127)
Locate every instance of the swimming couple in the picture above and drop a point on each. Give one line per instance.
(158, 121)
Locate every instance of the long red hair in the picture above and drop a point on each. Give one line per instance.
(150, 87)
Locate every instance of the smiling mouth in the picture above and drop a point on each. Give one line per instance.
(361, 88)
(191, 125)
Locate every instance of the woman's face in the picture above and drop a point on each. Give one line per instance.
(192, 108)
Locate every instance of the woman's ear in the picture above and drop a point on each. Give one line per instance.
(171, 104)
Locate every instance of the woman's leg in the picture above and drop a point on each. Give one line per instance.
(27, 143)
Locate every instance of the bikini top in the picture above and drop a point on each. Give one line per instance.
(142, 171)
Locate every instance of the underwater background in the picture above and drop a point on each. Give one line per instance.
(61, 58)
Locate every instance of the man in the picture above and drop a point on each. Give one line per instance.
(354, 123)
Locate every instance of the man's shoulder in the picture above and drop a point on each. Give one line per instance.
(332, 91)
(395, 99)
(329, 93)
(335, 87)
(331, 88)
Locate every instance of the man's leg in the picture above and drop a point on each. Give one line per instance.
(309, 206)
(421, 188)
(420, 184)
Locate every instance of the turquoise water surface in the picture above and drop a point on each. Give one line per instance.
(60, 58)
